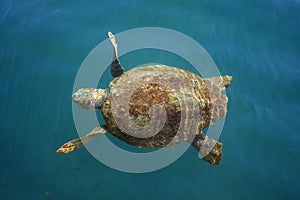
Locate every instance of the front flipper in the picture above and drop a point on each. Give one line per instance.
(209, 149)
(116, 67)
(77, 143)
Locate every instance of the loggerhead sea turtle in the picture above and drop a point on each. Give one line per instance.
(206, 92)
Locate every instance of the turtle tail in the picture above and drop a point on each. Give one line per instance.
(226, 80)
(219, 100)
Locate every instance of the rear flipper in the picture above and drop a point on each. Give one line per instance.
(77, 143)
(209, 149)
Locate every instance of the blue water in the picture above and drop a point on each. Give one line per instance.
(43, 44)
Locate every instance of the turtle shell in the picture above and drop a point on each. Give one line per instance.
(155, 106)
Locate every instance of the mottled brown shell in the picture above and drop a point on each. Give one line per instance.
(166, 99)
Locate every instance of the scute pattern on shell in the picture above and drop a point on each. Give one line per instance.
(205, 92)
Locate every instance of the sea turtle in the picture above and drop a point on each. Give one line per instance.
(128, 106)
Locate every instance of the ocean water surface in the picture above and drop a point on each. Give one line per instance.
(43, 44)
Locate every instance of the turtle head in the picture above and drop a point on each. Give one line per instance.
(89, 98)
